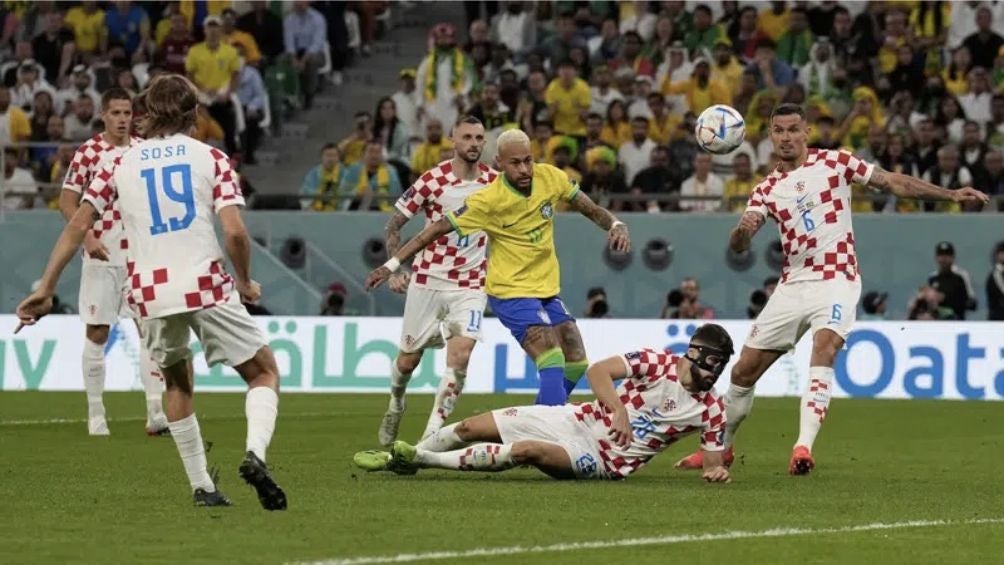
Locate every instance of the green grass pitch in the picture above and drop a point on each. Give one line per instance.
(68, 498)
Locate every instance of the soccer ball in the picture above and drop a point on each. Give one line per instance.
(720, 129)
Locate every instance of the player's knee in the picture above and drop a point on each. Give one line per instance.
(260, 370)
(744, 374)
(407, 362)
(524, 453)
(457, 360)
(97, 334)
(464, 430)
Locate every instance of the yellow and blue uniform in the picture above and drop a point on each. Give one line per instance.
(523, 279)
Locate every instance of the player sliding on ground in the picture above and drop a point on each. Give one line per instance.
(809, 196)
(661, 399)
(168, 188)
(445, 298)
(516, 211)
(103, 275)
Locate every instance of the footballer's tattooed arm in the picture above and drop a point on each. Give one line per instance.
(398, 282)
(742, 234)
(416, 244)
(906, 186)
(617, 232)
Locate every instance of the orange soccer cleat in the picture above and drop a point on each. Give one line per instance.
(695, 461)
(801, 461)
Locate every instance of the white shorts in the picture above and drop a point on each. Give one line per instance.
(433, 316)
(557, 425)
(797, 307)
(227, 332)
(102, 299)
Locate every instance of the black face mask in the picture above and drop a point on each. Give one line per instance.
(710, 359)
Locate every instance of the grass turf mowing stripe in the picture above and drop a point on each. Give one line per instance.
(241, 416)
(662, 540)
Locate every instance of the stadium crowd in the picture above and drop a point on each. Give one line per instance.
(609, 91)
(56, 58)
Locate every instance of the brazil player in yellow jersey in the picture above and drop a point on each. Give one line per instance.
(517, 212)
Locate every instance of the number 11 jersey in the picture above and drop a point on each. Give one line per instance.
(168, 191)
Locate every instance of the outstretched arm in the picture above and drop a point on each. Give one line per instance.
(617, 231)
(905, 186)
(742, 234)
(399, 281)
(39, 303)
(416, 244)
(715, 470)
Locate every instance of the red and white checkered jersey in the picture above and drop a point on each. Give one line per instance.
(660, 410)
(812, 208)
(451, 262)
(168, 190)
(87, 161)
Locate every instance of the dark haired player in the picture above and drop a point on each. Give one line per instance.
(809, 196)
(661, 398)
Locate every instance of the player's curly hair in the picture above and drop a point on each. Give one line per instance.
(169, 105)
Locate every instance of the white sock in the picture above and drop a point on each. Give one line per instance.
(738, 403)
(188, 438)
(480, 457)
(444, 439)
(153, 385)
(815, 404)
(450, 387)
(261, 407)
(93, 362)
(398, 385)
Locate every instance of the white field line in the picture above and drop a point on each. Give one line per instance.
(236, 416)
(662, 540)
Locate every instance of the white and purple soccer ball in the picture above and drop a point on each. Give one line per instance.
(720, 129)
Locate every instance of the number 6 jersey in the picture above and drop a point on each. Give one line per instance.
(168, 191)
(812, 208)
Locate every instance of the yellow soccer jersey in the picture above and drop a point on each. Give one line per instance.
(522, 261)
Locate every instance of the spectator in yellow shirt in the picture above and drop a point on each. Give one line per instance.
(352, 147)
(543, 143)
(15, 126)
(740, 184)
(215, 67)
(662, 125)
(617, 128)
(235, 37)
(88, 25)
(427, 154)
(774, 22)
(726, 70)
(568, 98)
(700, 91)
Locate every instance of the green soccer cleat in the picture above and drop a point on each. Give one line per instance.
(372, 460)
(403, 454)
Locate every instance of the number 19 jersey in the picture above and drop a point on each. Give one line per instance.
(168, 190)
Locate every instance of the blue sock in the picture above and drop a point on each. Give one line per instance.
(552, 386)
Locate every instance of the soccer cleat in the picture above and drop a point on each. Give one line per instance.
(157, 426)
(255, 473)
(801, 461)
(216, 498)
(372, 460)
(97, 426)
(389, 426)
(402, 458)
(695, 461)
